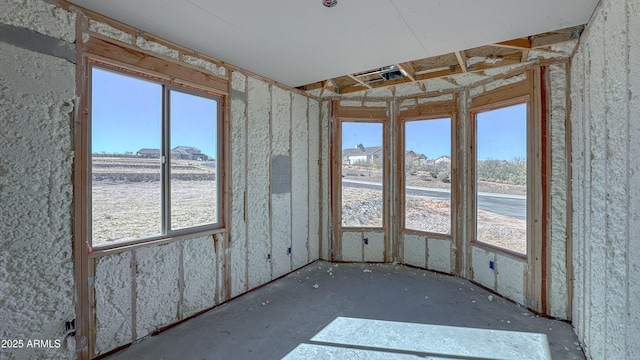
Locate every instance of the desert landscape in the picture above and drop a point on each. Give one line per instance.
(126, 197)
(362, 207)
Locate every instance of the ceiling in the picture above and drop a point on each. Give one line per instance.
(301, 42)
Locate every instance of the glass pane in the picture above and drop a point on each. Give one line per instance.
(126, 116)
(427, 174)
(193, 160)
(501, 177)
(362, 174)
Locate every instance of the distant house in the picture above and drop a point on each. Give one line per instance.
(445, 159)
(422, 158)
(361, 153)
(179, 152)
(149, 153)
(188, 153)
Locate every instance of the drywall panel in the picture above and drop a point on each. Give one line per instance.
(325, 239)
(39, 16)
(314, 180)
(481, 262)
(415, 250)
(300, 181)
(558, 289)
(238, 158)
(157, 291)
(258, 189)
(37, 94)
(352, 246)
(510, 279)
(113, 302)
(439, 255)
(281, 202)
(373, 246)
(200, 267)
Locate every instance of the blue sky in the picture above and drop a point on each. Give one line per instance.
(501, 134)
(126, 115)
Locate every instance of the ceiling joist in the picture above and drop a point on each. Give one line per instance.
(409, 72)
(447, 65)
(462, 60)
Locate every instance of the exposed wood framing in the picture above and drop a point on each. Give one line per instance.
(112, 50)
(84, 319)
(517, 44)
(408, 69)
(360, 81)
(545, 180)
(462, 60)
(536, 239)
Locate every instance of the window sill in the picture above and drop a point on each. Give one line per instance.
(117, 248)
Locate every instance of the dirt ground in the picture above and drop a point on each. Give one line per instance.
(363, 208)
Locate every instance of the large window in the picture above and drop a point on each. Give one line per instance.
(362, 174)
(501, 177)
(427, 175)
(154, 151)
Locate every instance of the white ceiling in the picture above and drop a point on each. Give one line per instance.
(297, 42)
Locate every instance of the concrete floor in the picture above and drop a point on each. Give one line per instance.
(364, 311)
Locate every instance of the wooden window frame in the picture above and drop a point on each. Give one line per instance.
(429, 113)
(364, 115)
(521, 92)
(165, 232)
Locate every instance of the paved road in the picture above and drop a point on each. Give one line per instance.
(508, 205)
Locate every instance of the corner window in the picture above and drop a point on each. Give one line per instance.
(362, 174)
(501, 177)
(427, 175)
(154, 158)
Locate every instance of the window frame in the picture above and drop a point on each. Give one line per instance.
(168, 86)
(402, 211)
(517, 99)
(385, 178)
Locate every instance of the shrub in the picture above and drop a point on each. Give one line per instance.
(444, 177)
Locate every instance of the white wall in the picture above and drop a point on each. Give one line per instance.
(605, 120)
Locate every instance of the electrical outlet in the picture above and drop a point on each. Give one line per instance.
(70, 327)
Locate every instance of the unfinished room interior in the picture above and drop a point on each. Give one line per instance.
(319, 179)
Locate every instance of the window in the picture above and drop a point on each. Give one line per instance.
(154, 150)
(362, 174)
(501, 177)
(427, 175)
